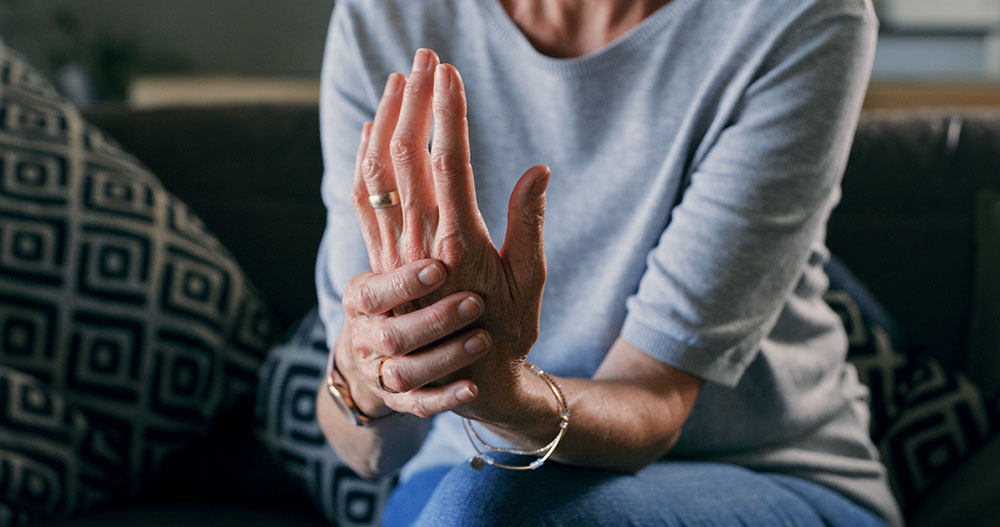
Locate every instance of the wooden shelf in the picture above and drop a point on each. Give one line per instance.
(148, 92)
(932, 94)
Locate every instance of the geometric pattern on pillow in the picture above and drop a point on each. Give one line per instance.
(873, 354)
(112, 293)
(925, 420)
(286, 423)
(42, 453)
(943, 419)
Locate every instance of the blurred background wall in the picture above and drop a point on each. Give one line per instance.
(107, 44)
(154, 52)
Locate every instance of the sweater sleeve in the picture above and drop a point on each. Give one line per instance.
(347, 100)
(757, 200)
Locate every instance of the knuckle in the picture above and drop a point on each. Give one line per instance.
(403, 148)
(414, 86)
(360, 340)
(419, 408)
(413, 248)
(394, 377)
(531, 222)
(366, 298)
(437, 321)
(372, 167)
(448, 164)
(358, 200)
(357, 337)
(449, 107)
(350, 301)
(359, 196)
(398, 286)
(388, 340)
(452, 247)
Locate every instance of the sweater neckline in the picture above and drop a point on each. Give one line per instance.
(500, 24)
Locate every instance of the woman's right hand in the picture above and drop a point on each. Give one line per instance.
(411, 346)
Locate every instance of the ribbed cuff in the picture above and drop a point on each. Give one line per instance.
(723, 367)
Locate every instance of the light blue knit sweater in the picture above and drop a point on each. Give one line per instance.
(694, 164)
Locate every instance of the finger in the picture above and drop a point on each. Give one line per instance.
(378, 293)
(523, 247)
(411, 160)
(376, 167)
(402, 334)
(432, 400)
(453, 184)
(416, 370)
(362, 209)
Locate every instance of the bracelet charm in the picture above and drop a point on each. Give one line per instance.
(482, 459)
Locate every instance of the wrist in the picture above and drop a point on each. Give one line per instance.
(532, 417)
(483, 449)
(365, 395)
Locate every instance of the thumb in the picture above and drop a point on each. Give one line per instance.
(523, 250)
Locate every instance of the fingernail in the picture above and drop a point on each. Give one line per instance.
(476, 344)
(430, 275)
(422, 60)
(465, 394)
(366, 130)
(442, 78)
(540, 184)
(470, 308)
(394, 84)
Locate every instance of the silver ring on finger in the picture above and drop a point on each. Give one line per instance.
(384, 201)
(378, 377)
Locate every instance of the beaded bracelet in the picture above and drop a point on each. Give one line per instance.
(482, 458)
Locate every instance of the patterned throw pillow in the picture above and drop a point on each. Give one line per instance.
(925, 420)
(114, 300)
(42, 443)
(943, 419)
(286, 424)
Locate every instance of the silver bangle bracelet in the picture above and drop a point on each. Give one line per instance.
(482, 458)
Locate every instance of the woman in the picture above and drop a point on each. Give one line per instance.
(693, 151)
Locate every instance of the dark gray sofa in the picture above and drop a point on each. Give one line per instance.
(253, 174)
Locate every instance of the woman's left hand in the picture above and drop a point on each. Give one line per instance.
(439, 218)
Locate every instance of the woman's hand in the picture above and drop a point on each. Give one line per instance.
(372, 333)
(439, 218)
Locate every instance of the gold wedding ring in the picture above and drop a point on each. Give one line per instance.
(382, 201)
(378, 375)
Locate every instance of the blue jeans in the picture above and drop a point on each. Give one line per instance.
(668, 493)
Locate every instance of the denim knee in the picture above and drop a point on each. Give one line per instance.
(488, 497)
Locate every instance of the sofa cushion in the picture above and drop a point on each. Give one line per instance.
(906, 218)
(926, 419)
(113, 295)
(984, 341)
(943, 419)
(968, 497)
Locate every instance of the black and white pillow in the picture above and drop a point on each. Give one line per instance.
(943, 419)
(114, 298)
(286, 424)
(926, 420)
(45, 453)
